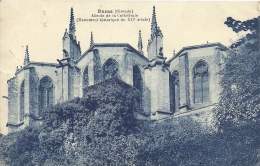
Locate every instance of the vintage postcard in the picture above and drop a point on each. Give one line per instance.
(129, 83)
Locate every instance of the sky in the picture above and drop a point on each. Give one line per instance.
(41, 26)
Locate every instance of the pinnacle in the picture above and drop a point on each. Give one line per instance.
(140, 44)
(72, 27)
(71, 16)
(154, 23)
(91, 39)
(26, 57)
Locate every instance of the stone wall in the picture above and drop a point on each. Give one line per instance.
(204, 118)
(76, 74)
(184, 63)
(154, 45)
(33, 83)
(209, 56)
(157, 81)
(30, 75)
(97, 67)
(145, 94)
(12, 101)
(68, 80)
(184, 82)
(96, 58)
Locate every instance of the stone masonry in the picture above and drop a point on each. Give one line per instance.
(186, 83)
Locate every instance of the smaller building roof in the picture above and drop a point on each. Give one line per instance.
(221, 46)
(96, 45)
(31, 64)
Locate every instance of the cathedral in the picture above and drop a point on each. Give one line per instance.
(186, 83)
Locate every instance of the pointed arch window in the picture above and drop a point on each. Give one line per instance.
(110, 69)
(22, 102)
(85, 78)
(174, 91)
(201, 83)
(45, 92)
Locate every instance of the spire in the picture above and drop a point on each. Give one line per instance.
(72, 28)
(26, 57)
(154, 23)
(140, 44)
(91, 39)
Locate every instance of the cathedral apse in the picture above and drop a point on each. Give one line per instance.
(179, 85)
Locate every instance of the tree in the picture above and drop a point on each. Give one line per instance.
(240, 97)
(251, 40)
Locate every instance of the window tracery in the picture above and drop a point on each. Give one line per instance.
(201, 83)
(110, 69)
(45, 92)
(174, 91)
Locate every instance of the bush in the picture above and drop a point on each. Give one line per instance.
(104, 114)
(101, 129)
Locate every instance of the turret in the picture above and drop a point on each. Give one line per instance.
(157, 73)
(71, 48)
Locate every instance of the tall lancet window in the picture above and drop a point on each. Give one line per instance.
(85, 78)
(110, 69)
(201, 83)
(137, 81)
(174, 91)
(45, 92)
(22, 101)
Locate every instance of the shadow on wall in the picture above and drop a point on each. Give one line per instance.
(146, 101)
(34, 84)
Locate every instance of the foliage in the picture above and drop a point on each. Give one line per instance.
(240, 97)
(16, 148)
(180, 141)
(238, 112)
(101, 128)
(238, 26)
(105, 116)
(185, 141)
(251, 40)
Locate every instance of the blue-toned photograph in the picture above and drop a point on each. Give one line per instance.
(129, 83)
